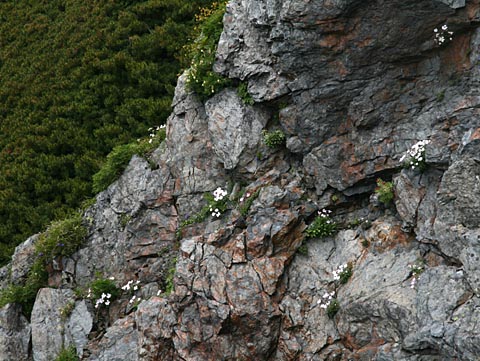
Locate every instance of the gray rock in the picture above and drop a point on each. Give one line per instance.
(23, 259)
(58, 322)
(235, 129)
(118, 344)
(14, 334)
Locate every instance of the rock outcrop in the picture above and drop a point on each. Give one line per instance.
(353, 85)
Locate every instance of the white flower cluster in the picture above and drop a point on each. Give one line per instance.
(338, 271)
(442, 34)
(132, 286)
(104, 299)
(325, 213)
(215, 212)
(324, 302)
(416, 271)
(219, 194)
(152, 132)
(415, 156)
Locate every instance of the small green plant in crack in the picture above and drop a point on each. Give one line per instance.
(246, 201)
(67, 354)
(333, 308)
(322, 226)
(329, 303)
(303, 249)
(124, 219)
(416, 270)
(243, 93)
(274, 138)
(384, 191)
(67, 310)
(169, 284)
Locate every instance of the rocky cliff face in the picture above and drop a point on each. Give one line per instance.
(353, 85)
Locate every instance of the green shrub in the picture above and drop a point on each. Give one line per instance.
(274, 139)
(103, 286)
(120, 156)
(25, 294)
(62, 238)
(169, 285)
(200, 77)
(333, 308)
(67, 354)
(322, 226)
(384, 191)
(244, 94)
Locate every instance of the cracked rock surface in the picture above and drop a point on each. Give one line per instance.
(352, 85)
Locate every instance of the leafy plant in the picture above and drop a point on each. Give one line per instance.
(101, 286)
(333, 308)
(201, 78)
(343, 273)
(274, 139)
(25, 294)
(244, 94)
(246, 201)
(67, 310)
(384, 191)
(322, 226)
(67, 354)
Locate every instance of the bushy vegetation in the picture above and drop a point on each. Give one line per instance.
(201, 78)
(274, 138)
(322, 226)
(78, 78)
(384, 191)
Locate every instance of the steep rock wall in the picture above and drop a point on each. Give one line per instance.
(352, 84)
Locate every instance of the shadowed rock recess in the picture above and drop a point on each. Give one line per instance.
(353, 85)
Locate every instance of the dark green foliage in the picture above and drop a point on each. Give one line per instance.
(78, 78)
(201, 53)
(333, 308)
(322, 226)
(244, 94)
(67, 354)
(102, 285)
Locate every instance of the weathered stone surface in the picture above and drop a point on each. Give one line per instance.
(235, 129)
(14, 334)
(54, 328)
(118, 344)
(23, 259)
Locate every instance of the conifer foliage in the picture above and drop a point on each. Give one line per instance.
(76, 79)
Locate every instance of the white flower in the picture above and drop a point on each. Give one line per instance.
(435, 30)
(107, 302)
(109, 295)
(135, 287)
(159, 292)
(444, 27)
(111, 278)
